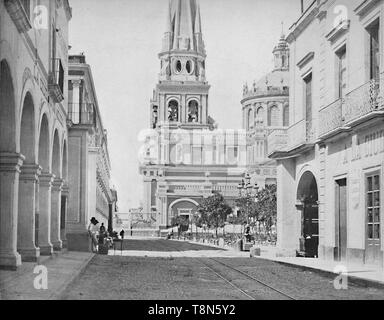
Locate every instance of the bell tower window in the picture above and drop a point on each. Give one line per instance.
(155, 116)
(173, 111)
(193, 111)
(178, 66)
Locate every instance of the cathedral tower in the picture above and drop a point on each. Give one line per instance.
(181, 96)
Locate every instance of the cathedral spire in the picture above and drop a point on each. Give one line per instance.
(198, 20)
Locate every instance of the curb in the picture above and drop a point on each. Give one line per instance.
(76, 275)
(353, 279)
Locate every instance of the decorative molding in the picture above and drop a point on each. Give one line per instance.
(303, 62)
(338, 31)
(365, 6)
(18, 15)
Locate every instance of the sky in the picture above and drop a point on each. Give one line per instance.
(121, 40)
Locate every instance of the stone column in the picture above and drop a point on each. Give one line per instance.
(10, 164)
(45, 186)
(26, 245)
(63, 215)
(55, 214)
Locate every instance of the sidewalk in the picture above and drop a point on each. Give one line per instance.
(62, 271)
(363, 274)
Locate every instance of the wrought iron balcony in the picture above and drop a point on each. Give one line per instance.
(19, 11)
(301, 133)
(277, 140)
(331, 117)
(86, 117)
(360, 103)
(56, 81)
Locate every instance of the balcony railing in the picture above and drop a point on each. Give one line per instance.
(301, 133)
(87, 117)
(277, 140)
(56, 81)
(363, 100)
(331, 117)
(358, 103)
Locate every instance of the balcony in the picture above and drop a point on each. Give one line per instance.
(358, 106)
(277, 140)
(19, 11)
(56, 81)
(301, 133)
(86, 117)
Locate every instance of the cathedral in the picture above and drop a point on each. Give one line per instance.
(185, 157)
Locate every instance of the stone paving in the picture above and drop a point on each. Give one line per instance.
(166, 277)
(62, 270)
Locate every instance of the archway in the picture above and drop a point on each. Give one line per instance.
(307, 195)
(26, 225)
(43, 218)
(184, 208)
(7, 110)
(64, 195)
(9, 174)
(56, 193)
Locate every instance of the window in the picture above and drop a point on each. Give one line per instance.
(155, 116)
(173, 111)
(374, 42)
(193, 112)
(178, 66)
(308, 103)
(249, 119)
(189, 66)
(286, 116)
(260, 116)
(342, 72)
(273, 116)
(373, 207)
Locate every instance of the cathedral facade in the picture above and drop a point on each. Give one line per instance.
(186, 158)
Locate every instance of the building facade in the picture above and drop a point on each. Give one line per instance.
(331, 170)
(90, 194)
(33, 130)
(265, 109)
(185, 157)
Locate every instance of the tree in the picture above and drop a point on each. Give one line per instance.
(181, 222)
(214, 212)
(247, 209)
(267, 206)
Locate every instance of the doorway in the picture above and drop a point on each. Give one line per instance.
(341, 220)
(307, 195)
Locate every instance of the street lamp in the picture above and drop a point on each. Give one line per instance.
(246, 186)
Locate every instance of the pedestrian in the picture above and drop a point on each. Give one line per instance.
(122, 234)
(102, 228)
(93, 233)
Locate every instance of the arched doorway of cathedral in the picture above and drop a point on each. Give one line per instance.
(307, 196)
(183, 208)
(9, 174)
(26, 237)
(56, 193)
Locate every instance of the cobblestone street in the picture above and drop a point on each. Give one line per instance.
(162, 276)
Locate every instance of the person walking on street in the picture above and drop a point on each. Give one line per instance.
(93, 230)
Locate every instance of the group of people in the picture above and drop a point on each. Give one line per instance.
(100, 236)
